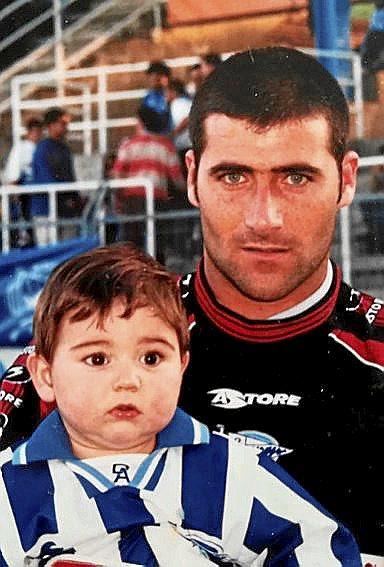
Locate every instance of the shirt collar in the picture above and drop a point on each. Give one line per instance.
(310, 301)
(50, 440)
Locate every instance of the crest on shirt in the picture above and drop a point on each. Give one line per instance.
(120, 470)
(261, 442)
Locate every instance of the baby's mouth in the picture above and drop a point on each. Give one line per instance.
(125, 411)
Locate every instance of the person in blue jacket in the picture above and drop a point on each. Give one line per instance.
(53, 163)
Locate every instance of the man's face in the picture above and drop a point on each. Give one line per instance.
(158, 81)
(116, 386)
(268, 201)
(59, 128)
(35, 134)
(206, 69)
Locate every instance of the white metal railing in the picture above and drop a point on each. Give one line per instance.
(345, 222)
(100, 98)
(82, 186)
(56, 42)
(150, 228)
(29, 26)
(103, 96)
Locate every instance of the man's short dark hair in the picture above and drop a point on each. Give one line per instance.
(33, 123)
(53, 115)
(213, 59)
(270, 86)
(152, 121)
(160, 68)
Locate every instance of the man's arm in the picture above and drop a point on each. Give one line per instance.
(12, 170)
(20, 408)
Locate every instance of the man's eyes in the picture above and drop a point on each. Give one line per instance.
(237, 178)
(297, 179)
(233, 178)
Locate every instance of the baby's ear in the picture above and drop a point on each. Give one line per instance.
(40, 372)
(184, 361)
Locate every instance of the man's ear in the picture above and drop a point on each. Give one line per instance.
(190, 162)
(349, 168)
(40, 372)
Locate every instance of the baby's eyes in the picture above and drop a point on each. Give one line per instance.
(96, 359)
(151, 358)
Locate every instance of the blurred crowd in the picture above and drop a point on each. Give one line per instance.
(155, 151)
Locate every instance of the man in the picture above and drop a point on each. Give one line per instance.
(53, 163)
(18, 171)
(159, 75)
(194, 79)
(208, 63)
(283, 353)
(179, 105)
(151, 155)
(281, 349)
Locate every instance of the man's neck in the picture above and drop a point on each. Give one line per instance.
(232, 298)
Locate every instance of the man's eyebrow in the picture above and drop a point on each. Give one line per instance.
(296, 168)
(242, 168)
(230, 167)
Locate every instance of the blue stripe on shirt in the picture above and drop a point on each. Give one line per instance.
(203, 486)
(134, 548)
(121, 507)
(283, 535)
(31, 484)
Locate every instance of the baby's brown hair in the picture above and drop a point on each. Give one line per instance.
(88, 284)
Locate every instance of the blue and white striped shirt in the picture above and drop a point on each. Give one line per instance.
(197, 499)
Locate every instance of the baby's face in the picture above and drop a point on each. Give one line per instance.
(116, 387)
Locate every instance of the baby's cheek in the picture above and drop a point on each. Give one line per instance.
(163, 408)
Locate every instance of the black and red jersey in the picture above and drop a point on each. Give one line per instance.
(308, 389)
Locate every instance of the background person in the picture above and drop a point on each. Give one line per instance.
(53, 163)
(116, 469)
(159, 75)
(208, 63)
(18, 171)
(180, 106)
(152, 155)
(194, 79)
(373, 210)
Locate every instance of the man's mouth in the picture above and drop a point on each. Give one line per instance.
(265, 249)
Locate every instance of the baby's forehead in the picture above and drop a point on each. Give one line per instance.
(120, 307)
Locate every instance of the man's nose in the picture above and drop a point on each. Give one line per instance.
(263, 209)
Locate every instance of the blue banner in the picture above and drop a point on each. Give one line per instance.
(22, 276)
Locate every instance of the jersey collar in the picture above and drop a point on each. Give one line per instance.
(50, 440)
(270, 330)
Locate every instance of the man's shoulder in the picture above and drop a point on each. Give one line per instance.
(358, 325)
(361, 307)
(43, 146)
